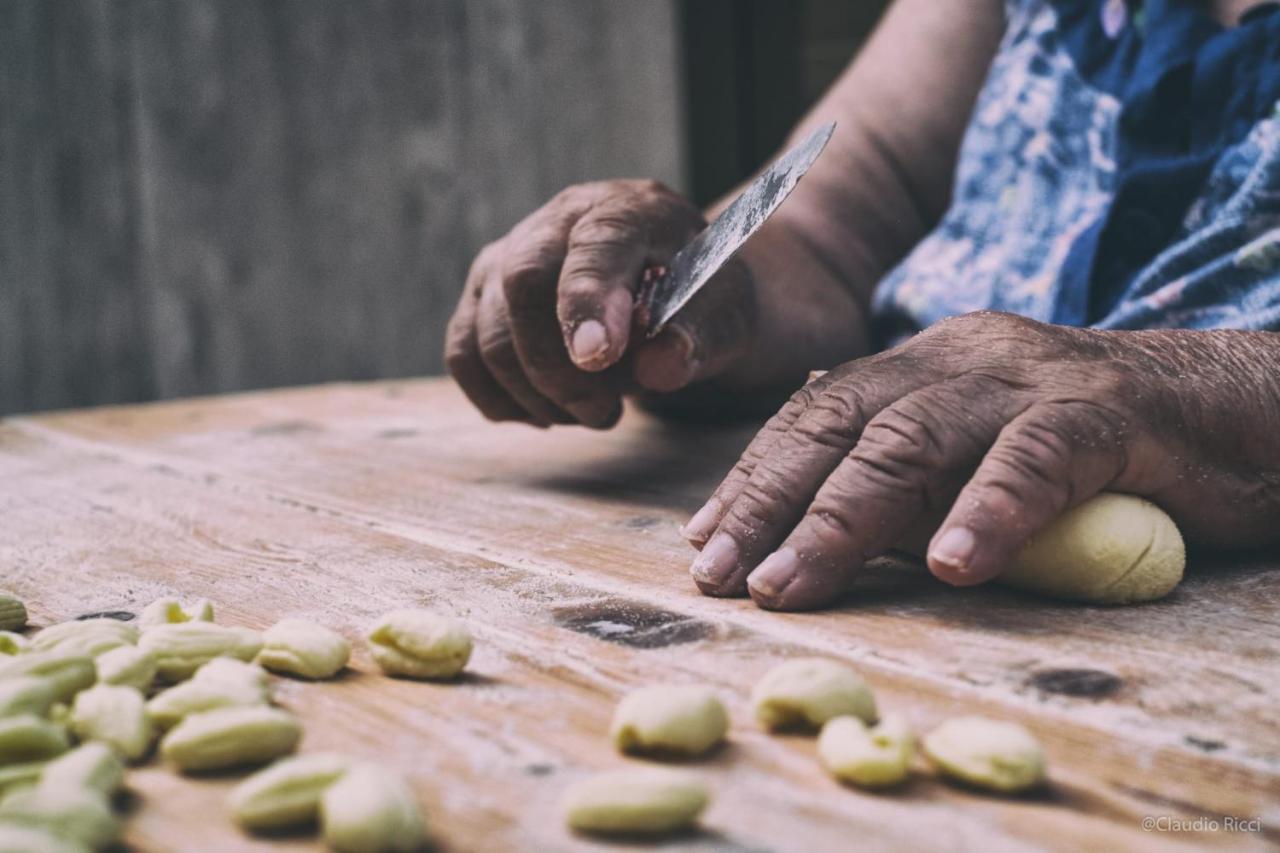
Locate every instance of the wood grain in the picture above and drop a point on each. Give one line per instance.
(222, 194)
(560, 550)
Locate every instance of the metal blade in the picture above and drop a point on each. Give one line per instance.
(705, 254)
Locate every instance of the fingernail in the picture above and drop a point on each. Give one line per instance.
(717, 561)
(955, 549)
(702, 524)
(773, 575)
(590, 342)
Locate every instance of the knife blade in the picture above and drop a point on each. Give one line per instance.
(665, 291)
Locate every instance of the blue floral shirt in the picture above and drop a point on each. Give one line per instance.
(1121, 170)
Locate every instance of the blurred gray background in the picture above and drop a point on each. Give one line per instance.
(199, 196)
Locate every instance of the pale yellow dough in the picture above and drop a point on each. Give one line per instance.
(371, 810)
(1111, 549)
(992, 754)
(870, 757)
(419, 644)
(643, 801)
(806, 692)
(675, 719)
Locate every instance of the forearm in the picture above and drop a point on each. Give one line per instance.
(882, 183)
(885, 179)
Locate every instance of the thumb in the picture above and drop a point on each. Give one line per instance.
(707, 337)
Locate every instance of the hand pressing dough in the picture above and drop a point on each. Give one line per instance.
(806, 692)
(875, 757)
(1111, 549)
(643, 801)
(682, 719)
(985, 753)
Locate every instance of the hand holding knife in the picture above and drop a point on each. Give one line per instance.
(574, 306)
(666, 290)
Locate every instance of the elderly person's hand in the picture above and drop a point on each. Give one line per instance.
(1000, 423)
(545, 320)
(543, 332)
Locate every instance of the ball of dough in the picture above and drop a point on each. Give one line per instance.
(870, 757)
(419, 644)
(301, 647)
(672, 719)
(992, 754)
(370, 809)
(1111, 549)
(806, 692)
(643, 801)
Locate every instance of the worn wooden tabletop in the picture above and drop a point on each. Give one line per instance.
(560, 550)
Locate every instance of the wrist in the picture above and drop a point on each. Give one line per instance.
(809, 314)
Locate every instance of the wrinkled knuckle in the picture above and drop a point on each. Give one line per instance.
(1033, 467)
(582, 283)
(830, 523)
(800, 399)
(527, 277)
(823, 430)
(899, 433)
(1048, 443)
(832, 421)
(1104, 424)
(897, 452)
(751, 457)
(885, 470)
(1006, 492)
(615, 230)
(760, 502)
(786, 417)
(495, 344)
(515, 280)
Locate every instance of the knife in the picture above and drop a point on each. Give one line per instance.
(665, 290)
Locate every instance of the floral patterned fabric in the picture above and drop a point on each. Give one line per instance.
(1121, 170)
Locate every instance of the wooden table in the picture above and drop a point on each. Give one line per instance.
(560, 550)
